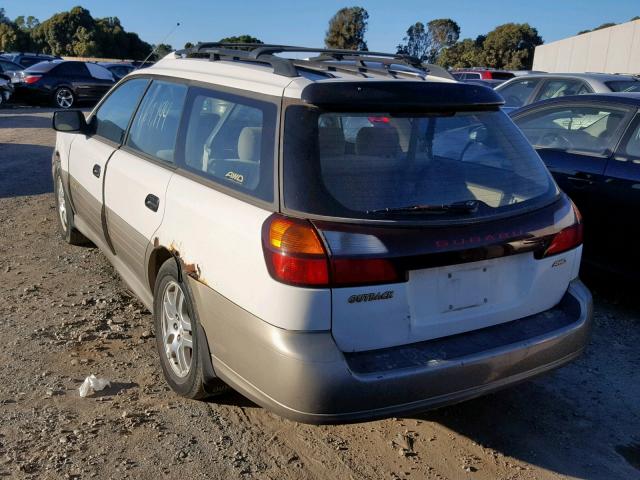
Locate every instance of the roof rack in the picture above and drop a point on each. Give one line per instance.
(329, 60)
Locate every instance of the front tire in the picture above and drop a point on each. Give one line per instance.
(177, 339)
(65, 215)
(63, 97)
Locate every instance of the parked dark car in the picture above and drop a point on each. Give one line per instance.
(64, 83)
(591, 145)
(13, 70)
(119, 70)
(28, 59)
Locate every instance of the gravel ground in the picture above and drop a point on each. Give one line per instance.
(64, 314)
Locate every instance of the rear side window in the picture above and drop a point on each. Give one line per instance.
(112, 118)
(624, 86)
(29, 61)
(155, 126)
(587, 129)
(99, 72)
(562, 88)
(517, 93)
(231, 140)
(9, 67)
(72, 69)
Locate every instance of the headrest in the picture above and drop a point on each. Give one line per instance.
(249, 144)
(331, 141)
(378, 142)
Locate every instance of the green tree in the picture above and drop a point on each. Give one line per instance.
(241, 39)
(189, 45)
(599, 27)
(511, 46)
(463, 54)
(162, 50)
(347, 28)
(8, 37)
(3, 16)
(426, 43)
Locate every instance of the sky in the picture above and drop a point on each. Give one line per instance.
(304, 22)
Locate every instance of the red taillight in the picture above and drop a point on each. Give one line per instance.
(29, 79)
(295, 255)
(294, 252)
(375, 120)
(361, 271)
(567, 238)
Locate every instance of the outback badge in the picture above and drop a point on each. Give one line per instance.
(370, 297)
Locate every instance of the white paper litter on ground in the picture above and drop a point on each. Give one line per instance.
(93, 384)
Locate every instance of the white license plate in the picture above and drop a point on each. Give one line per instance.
(460, 288)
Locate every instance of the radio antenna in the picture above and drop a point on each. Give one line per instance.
(158, 44)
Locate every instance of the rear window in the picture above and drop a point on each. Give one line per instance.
(624, 86)
(42, 67)
(369, 165)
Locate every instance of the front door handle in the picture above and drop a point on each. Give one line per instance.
(96, 170)
(152, 202)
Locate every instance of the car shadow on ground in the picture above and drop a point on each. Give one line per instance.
(25, 169)
(21, 120)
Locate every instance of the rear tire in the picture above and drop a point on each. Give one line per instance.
(177, 339)
(65, 215)
(63, 97)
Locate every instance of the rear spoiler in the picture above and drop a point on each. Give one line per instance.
(400, 96)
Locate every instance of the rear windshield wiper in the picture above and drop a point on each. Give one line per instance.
(466, 206)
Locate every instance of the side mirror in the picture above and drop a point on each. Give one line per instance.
(69, 121)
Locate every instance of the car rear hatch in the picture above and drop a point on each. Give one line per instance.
(436, 215)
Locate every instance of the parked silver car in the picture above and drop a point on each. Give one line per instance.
(523, 90)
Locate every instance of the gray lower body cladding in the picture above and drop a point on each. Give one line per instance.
(305, 377)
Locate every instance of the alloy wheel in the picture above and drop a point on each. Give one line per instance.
(62, 205)
(177, 335)
(64, 98)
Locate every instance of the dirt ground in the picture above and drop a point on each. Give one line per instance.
(64, 314)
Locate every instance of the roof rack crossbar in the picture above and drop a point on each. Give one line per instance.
(266, 54)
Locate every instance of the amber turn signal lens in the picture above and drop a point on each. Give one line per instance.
(294, 237)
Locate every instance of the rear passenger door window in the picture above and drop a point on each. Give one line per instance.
(231, 140)
(562, 88)
(517, 93)
(71, 69)
(155, 126)
(113, 116)
(584, 129)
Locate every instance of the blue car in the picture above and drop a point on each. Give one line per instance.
(591, 145)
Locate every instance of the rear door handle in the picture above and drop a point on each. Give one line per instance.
(96, 170)
(152, 202)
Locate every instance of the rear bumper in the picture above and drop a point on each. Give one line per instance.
(305, 377)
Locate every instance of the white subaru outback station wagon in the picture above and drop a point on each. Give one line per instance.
(349, 236)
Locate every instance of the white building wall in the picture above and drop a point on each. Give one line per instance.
(611, 50)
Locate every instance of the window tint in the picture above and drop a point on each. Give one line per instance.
(28, 61)
(624, 86)
(633, 145)
(579, 128)
(99, 72)
(517, 93)
(9, 67)
(155, 126)
(358, 165)
(71, 69)
(230, 139)
(113, 116)
(562, 88)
